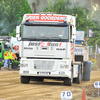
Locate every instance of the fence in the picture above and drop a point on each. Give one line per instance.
(94, 58)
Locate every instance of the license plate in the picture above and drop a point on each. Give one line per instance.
(43, 73)
(26, 72)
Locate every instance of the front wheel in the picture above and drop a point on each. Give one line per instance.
(74, 80)
(69, 81)
(25, 79)
(37, 79)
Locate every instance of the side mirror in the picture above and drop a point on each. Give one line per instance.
(17, 32)
(73, 37)
(74, 33)
(18, 29)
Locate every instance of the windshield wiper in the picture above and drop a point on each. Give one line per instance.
(42, 37)
(56, 37)
(30, 38)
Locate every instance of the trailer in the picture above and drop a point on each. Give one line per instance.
(47, 48)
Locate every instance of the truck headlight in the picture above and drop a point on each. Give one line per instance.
(23, 65)
(64, 66)
(62, 73)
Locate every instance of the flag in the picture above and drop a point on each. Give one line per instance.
(98, 50)
(90, 33)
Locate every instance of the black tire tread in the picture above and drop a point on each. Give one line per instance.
(25, 79)
(79, 77)
(67, 82)
(74, 80)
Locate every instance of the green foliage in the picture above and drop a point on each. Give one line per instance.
(15, 63)
(96, 38)
(84, 17)
(11, 14)
(1, 64)
(13, 33)
(24, 9)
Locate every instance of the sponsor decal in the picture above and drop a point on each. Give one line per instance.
(78, 51)
(60, 49)
(60, 44)
(16, 47)
(72, 49)
(33, 44)
(32, 17)
(44, 44)
(28, 48)
(72, 46)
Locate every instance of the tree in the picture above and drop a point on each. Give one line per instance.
(96, 19)
(13, 33)
(11, 14)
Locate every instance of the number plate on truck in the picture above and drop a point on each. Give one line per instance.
(26, 72)
(43, 73)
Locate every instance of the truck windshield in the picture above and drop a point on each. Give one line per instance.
(50, 32)
(7, 46)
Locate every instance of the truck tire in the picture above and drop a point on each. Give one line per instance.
(81, 72)
(40, 80)
(37, 79)
(74, 80)
(69, 81)
(25, 79)
(79, 76)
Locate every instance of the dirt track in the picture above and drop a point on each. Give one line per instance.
(12, 89)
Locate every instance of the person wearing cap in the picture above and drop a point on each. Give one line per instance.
(6, 59)
(10, 59)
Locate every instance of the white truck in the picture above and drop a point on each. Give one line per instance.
(47, 48)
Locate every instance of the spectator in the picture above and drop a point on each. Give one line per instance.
(14, 56)
(6, 59)
(10, 59)
(17, 54)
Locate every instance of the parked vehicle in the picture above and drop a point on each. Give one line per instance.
(4, 45)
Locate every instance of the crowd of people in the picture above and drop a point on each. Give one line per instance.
(10, 57)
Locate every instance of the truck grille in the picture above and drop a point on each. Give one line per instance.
(43, 65)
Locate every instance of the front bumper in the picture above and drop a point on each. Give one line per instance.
(55, 71)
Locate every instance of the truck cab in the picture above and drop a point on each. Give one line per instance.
(47, 46)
